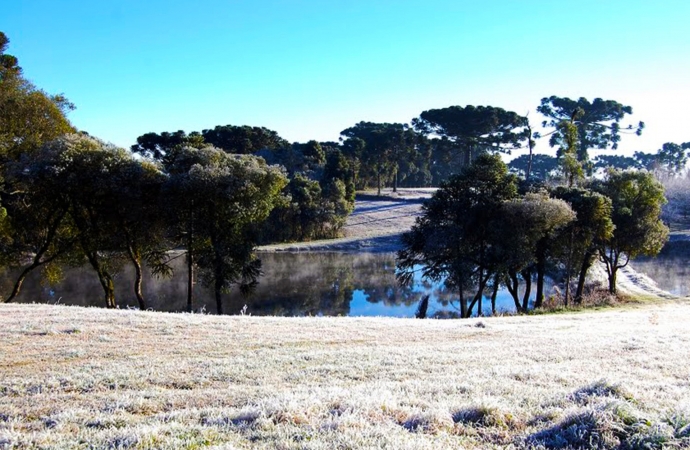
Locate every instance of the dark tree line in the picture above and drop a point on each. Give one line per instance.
(77, 198)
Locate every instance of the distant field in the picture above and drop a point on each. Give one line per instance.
(90, 378)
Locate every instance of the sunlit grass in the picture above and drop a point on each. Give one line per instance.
(90, 378)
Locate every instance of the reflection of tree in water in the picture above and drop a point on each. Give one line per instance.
(376, 278)
(301, 284)
(294, 284)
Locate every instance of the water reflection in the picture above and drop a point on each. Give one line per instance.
(294, 284)
(671, 269)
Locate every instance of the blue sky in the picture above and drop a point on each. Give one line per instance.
(309, 69)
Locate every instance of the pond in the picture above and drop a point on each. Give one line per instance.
(293, 284)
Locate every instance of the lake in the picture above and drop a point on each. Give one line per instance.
(671, 269)
(293, 284)
(303, 284)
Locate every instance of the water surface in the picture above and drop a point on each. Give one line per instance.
(293, 284)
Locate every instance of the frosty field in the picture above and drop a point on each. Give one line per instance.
(75, 377)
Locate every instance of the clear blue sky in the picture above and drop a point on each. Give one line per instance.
(309, 69)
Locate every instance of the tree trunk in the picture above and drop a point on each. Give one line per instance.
(527, 275)
(105, 279)
(20, 280)
(463, 304)
(611, 260)
(52, 231)
(395, 180)
(479, 295)
(512, 283)
(378, 180)
(612, 280)
(541, 269)
(494, 294)
(135, 257)
(586, 264)
(569, 268)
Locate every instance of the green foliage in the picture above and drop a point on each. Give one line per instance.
(379, 150)
(452, 238)
(597, 122)
(572, 167)
(668, 162)
(221, 201)
(160, 146)
(543, 166)
(528, 235)
(28, 116)
(243, 139)
(593, 225)
(472, 130)
(311, 212)
(636, 199)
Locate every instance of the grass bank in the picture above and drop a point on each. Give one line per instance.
(90, 378)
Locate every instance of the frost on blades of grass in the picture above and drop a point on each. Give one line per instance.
(143, 380)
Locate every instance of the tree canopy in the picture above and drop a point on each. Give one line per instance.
(452, 238)
(474, 129)
(636, 199)
(598, 122)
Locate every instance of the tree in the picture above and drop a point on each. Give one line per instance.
(531, 225)
(593, 225)
(243, 139)
(620, 162)
(160, 146)
(598, 122)
(38, 223)
(573, 169)
(636, 198)
(452, 238)
(339, 167)
(136, 212)
(383, 146)
(543, 166)
(222, 200)
(28, 116)
(472, 130)
(672, 158)
(76, 173)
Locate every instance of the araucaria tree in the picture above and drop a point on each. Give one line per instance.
(598, 123)
(473, 130)
(636, 199)
(452, 239)
(384, 147)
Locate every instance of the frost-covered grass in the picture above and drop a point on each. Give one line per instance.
(90, 378)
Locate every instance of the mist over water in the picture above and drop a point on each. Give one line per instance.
(301, 284)
(293, 284)
(671, 269)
